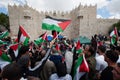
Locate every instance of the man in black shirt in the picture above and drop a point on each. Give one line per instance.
(111, 58)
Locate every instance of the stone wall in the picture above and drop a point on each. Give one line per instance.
(103, 25)
(26, 17)
(84, 21)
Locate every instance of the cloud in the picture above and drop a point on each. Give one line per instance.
(114, 8)
(3, 10)
(61, 5)
(104, 12)
(99, 16)
(99, 3)
(4, 3)
(116, 16)
(64, 5)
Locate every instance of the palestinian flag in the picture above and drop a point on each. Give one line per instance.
(114, 37)
(15, 48)
(2, 42)
(81, 67)
(4, 56)
(78, 47)
(59, 25)
(4, 59)
(23, 36)
(4, 34)
(42, 39)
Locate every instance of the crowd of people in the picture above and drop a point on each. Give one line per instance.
(56, 60)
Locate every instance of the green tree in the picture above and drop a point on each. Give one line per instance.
(4, 20)
(117, 25)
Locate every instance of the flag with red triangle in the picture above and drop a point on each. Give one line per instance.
(23, 36)
(59, 25)
(15, 48)
(4, 57)
(42, 39)
(114, 36)
(81, 67)
(84, 65)
(78, 47)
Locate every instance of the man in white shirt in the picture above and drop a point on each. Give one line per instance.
(101, 64)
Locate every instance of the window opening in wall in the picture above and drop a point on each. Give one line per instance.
(80, 17)
(27, 17)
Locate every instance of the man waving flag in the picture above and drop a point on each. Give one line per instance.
(59, 25)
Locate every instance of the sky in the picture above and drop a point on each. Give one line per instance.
(105, 8)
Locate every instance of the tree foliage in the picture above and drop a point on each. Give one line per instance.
(4, 20)
(117, 25)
